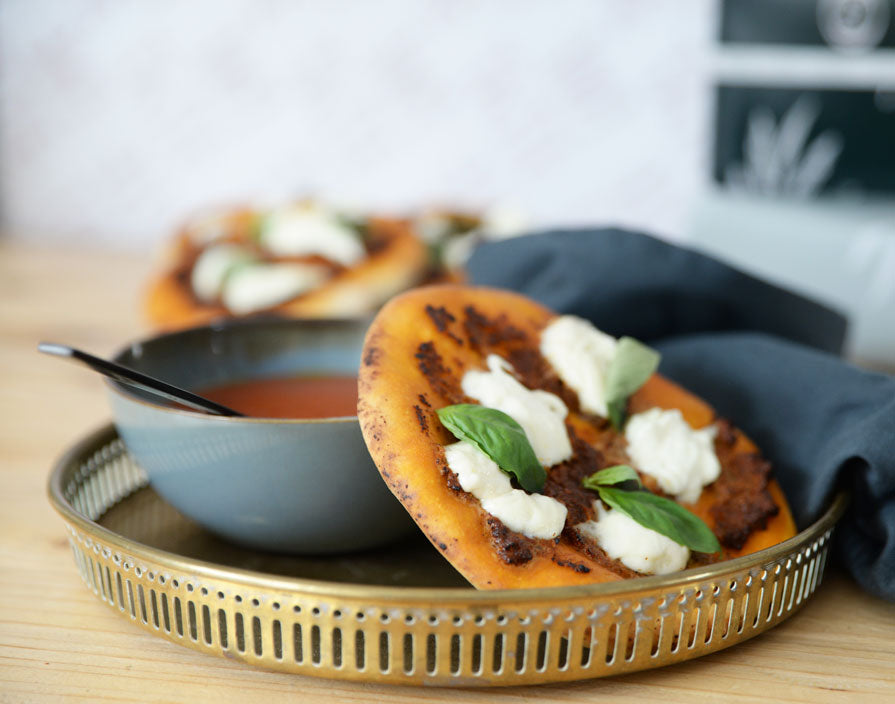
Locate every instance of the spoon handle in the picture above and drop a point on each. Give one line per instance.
(132, 378)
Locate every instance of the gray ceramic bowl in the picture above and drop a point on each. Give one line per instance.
(303, 486)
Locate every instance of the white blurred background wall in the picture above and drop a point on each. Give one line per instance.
(118, 118)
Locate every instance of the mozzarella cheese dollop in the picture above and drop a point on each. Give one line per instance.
(205, 229)
(304, 230)
(502, 221)
(634, 545)
(533, 515)
(540, 413)
(580, 354)
(258, 286)
(433, 228)
(211, 269)
(662, 444)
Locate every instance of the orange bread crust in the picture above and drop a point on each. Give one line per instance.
(397, 262)
(397, 407)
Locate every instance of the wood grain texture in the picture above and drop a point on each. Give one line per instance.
(58, 642)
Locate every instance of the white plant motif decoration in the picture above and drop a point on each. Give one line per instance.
(778, 159)
(870, 258)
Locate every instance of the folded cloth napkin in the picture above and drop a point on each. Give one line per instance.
(762, 356)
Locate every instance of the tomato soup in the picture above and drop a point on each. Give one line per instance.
(289, 397)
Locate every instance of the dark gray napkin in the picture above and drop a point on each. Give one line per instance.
(759, 354)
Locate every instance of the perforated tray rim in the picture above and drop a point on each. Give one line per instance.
(414, 635)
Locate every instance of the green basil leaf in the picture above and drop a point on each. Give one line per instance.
(629, 369)
(498, 436)
(618, 409)
(360, 228)
(611, 475)
(663, 516)
(256, 227)
(239, 263)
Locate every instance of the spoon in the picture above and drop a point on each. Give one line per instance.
(135, 379)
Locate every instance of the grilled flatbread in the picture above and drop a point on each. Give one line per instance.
(416, 353)
(393, 259)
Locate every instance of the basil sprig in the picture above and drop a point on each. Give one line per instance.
(651, 511)
(360, 228)
(498, 436)
(617, 474)
(632, 364)
(240, 262)
(256, 227)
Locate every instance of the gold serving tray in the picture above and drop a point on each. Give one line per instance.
(401, 615)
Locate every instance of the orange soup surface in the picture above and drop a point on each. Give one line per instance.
(289, 397)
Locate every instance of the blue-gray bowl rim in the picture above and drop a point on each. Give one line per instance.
(237, 324)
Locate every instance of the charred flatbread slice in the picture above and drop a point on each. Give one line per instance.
(416, 354)
(394, 259)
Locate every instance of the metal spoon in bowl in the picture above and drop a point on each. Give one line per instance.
(136, 379)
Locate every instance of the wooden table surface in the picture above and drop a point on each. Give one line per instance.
(58, 641)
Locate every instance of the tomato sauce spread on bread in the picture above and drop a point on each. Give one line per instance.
(417, 352)
(301, 260)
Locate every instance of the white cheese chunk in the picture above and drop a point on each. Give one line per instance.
(503, 221)
(210, 226)
(476, 471)
(540, 413)
(662, 444)
(634, 545)
(257, 286)
(458, 249)
(533, 515)
(306, 230)
(211, 269)
(580, 354)
(433, 228)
